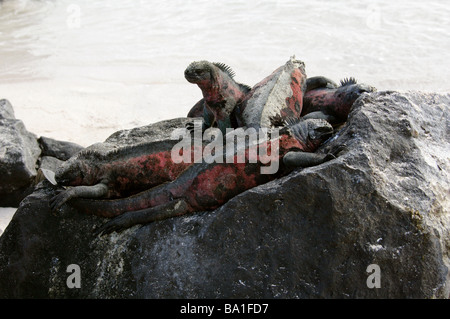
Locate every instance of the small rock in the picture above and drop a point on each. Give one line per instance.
(49, 162)
(19, 153)
(58, 149)
(6, 110)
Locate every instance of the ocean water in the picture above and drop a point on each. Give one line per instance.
(79, 70)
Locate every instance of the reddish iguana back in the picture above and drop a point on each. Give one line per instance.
(102, 171)
(324, 99)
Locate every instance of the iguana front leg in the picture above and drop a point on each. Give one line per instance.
(304, 159)
(196, 125)
(99, 190)
(319, 115)
(208, 121)
(173, 208)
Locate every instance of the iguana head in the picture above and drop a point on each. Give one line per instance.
(198, 72)
(347, 94)
(310, 133)
(204, 72)
(70, 173)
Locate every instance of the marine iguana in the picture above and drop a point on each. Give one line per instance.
(316, 82)
(99, 171)
(220, 92)
(206, 186)
(126, 171)
(324, 99)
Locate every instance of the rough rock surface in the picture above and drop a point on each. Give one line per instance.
(311, 234)
(6, 110)
(61, 150)
(19, 152)
(22, 154)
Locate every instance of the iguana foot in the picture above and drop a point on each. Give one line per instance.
(173, 208)
(190, 126)
(60, 199)
(335, 153)
(195, 125)
(117, 224)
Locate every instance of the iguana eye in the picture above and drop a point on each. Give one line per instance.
(198, 71)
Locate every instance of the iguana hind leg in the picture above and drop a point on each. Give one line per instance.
(94, 191)
(173, 208)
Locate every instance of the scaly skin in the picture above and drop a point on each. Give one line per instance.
(118, 173)
(323, 99)
(206, 186)
(317, 82)
(138, 168)
(198, 109)
(221, 93)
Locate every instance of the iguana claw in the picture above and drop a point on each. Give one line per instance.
(58, 200)
(116, 224)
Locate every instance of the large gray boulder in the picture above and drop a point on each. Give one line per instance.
(373, 223)
(22, 153)
(19, 153)
(6, 110)
(60, 150)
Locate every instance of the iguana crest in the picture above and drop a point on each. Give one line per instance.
(108, 154)
(111, 154)
(300, 132)
(225, 68)
(348, 81)
(228, 70)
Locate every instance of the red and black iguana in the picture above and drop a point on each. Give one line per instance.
(221, 93)
(206, 186)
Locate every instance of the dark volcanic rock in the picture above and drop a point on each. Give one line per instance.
(311, 234)
(19, 152)
(49, 162)
(58, 149)
(22, 154)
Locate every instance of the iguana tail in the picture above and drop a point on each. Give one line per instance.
(170, 209)
(113, 207)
